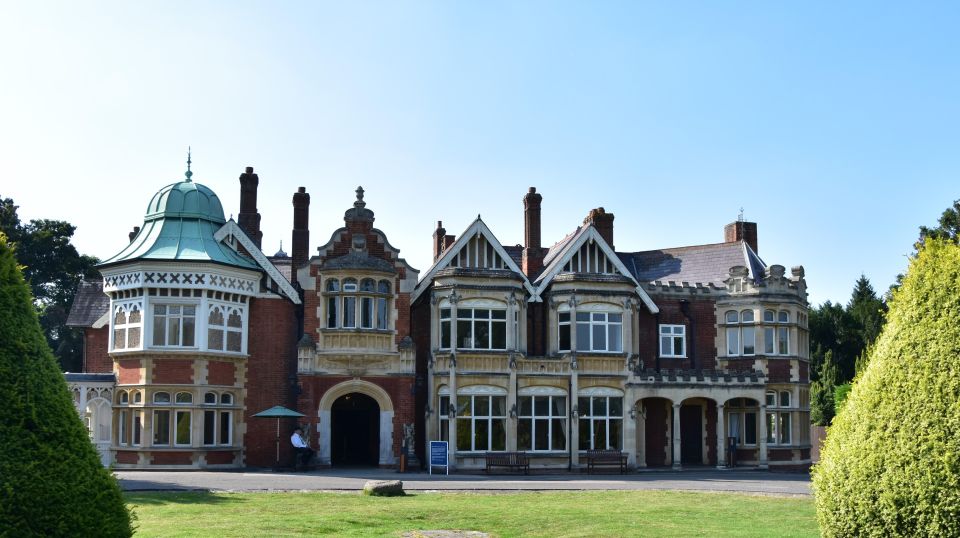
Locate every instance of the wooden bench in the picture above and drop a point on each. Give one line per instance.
(606, 458)
(512, 460)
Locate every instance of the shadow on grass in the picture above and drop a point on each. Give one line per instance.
(159, 498)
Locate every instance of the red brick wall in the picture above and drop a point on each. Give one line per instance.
(171, 458)
(537, 329)
(124, 456)
(740, 365)
(804, 372)
(310, 304)
(701, 333)
(272, 346)
(420, 325)
(95, 358)
(403, 315)
(779, 454)
(220, 457)
(130, 370)
(221, 373)
(778, 370)
(172, 371)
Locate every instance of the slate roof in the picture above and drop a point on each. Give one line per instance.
(359, 260)
(705, 264)
(516, 254)
(89, 304)
(81, 377)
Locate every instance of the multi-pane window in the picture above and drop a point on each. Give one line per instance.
(217, 422)
(776, 333)
(673, 342)
(601, 422)
(778, 417)
(174, 325)
(542, 423)
(225, 329)
(742, 420)
(477, 328)
(351, 304)
(127, 326)
(481, 421)
(741, 334)
(596, 331)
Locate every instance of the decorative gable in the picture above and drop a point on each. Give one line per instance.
(476, 248)
(590, 258)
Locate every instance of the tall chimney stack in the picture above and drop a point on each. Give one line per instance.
(248, 218)
(132, 235)
(301, 231)
(532, 251)
(438, 243)
(741, 231)
(603, 222)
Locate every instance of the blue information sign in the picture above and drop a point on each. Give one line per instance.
(438, 455)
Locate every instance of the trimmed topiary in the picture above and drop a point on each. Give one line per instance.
(51, 479)
(890, 465)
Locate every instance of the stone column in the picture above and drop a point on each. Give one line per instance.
(452, 422)
(641, 435)
(511, 405)
(721, 438)
(763, 437)
(676, 436)
(574, 422)
(630, 432)
(324, 435)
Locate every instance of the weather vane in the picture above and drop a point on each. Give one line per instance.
(189, 174)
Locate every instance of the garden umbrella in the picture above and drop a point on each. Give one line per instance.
(279, 412)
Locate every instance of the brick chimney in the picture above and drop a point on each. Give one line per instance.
(603, 222)
(438, 242)
(301, 231)
(133, 234)
(741, 231)
(533, 253)
(248, 218)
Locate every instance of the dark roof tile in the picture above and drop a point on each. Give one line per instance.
(89, 304)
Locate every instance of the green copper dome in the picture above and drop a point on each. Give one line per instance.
(179, 225)
(185, 199)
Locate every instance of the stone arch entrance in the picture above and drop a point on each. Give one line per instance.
(355, 430)
(363, 396)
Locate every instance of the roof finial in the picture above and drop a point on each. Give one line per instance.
(740, 216)
(189, 174)
(359, 202)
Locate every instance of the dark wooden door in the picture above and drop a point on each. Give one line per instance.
(355, 430)
(691, 434)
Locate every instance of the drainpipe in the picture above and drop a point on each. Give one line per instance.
(685, 310)
(657, 346)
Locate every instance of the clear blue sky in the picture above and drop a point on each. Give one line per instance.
(836, 126)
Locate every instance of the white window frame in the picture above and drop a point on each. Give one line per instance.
(181, 316)
(127, 327)
(737, 329)
(592, 416)
(474, 321)
(779, 418)
(673, 332)
(549, 420)
(473, 393)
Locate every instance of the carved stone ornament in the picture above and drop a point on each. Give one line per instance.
(513, 362)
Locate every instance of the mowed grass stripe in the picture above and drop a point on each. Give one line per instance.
(548, 514)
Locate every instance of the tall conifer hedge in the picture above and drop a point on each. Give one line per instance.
(51, 479)
(890, 465)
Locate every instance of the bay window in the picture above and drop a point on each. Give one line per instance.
(542, 420)
(225, 329)
(742, 420)
(776, 333)
(477, 328)
(481, 415)
(778, 417)
(741, 334)
(217, 422)
(174, 325)
(596, 331)
(127, 326)
(352, 305)
(601, 421)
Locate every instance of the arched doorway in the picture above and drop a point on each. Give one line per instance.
(355, 430)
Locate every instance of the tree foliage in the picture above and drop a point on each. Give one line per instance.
(822, 406)
(53, 268)
(51, 479)
(891, 463)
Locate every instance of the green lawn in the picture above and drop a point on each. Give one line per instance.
(554, 514)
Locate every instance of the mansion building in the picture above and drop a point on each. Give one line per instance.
(679, 357)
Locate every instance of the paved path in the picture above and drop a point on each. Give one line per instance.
(761, 482)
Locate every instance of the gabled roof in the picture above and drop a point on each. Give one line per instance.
(231, 228)
(704, 264)
(561, 253)
(478, 227)
(89, 304)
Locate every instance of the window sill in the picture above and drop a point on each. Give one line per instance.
(355, 330)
